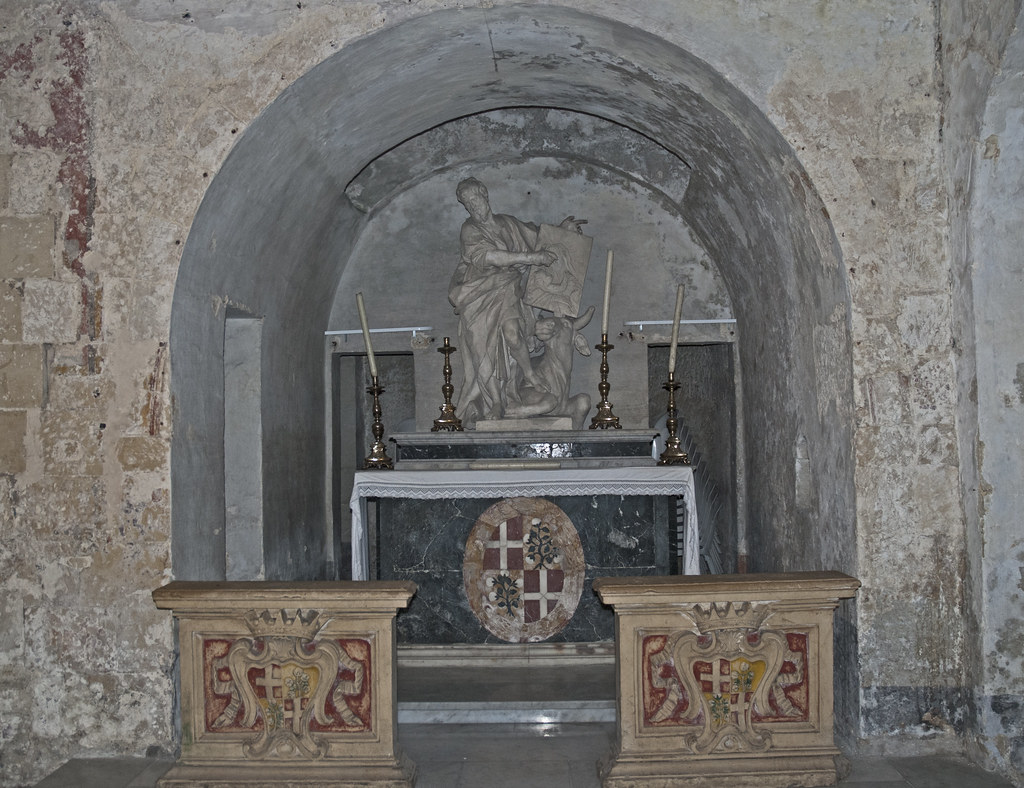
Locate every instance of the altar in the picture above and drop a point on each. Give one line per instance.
(524, 482)
(462, 534)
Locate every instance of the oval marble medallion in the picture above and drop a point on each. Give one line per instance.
(523, 569)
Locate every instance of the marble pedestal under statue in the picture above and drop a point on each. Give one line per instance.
(724, 681)
(287, 684)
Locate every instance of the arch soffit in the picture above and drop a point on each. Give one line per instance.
(746, 192)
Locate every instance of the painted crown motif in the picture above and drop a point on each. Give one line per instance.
(305, 624)
(716, 617)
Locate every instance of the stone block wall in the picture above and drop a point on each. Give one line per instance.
(84, 496)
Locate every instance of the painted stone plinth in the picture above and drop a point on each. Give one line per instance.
(287, 684)
(724, 680)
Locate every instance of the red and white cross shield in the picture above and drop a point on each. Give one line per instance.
(523, 569)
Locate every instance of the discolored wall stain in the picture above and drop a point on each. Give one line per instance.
(70, 137)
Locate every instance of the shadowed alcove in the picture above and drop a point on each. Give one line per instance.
(271, 244)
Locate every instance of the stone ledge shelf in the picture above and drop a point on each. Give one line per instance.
(287, 684)
(724, 680)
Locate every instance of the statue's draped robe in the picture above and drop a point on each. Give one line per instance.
(485, 297)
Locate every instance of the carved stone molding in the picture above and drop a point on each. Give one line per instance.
(293, 622)
(723, 679)
(283, 686)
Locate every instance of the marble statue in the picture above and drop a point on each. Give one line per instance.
(561, 337)
(497, 326)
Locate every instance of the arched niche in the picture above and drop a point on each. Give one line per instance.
(539, 165)
(272, 238)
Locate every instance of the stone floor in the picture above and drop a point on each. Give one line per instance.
(531, 756)
(521, 728)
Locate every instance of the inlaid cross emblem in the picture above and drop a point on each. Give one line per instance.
(510, 537)
(546, 597)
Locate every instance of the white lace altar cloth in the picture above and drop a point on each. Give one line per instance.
(526, 483)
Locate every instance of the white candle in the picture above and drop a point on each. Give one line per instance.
(607, 293)
(366, 335)
(675, 330)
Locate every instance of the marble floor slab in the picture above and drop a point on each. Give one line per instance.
(496, 756)
(108, 773)
(943, 772)
(566, 756)
(531, 756)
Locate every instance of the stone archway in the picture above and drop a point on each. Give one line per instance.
(272, 236)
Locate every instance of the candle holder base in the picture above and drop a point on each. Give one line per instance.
(673, 453)
(378, 458)
(604, 419)
(447, 421)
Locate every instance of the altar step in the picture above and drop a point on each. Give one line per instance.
(506, 712)
(522, 687)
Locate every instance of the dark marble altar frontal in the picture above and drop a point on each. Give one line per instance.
(424, 541)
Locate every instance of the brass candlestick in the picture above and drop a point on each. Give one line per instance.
(673, 454)
(604, 419)
(448, 421)
(378, 457)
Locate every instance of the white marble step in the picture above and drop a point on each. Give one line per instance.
(533, 687)
(506, 712)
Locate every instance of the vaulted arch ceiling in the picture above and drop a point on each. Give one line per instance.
(276, 226)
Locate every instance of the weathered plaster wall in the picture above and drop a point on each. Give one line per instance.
(84, 518)
(891, 218)
(997, 287)
(980, 189)
(115, 119)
